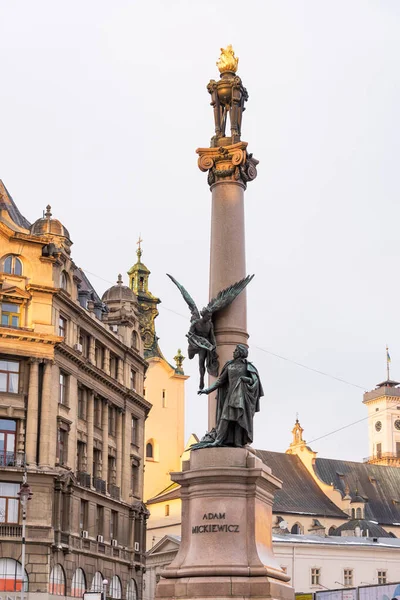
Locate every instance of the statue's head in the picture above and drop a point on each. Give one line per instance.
(206, 314)
(241, 351)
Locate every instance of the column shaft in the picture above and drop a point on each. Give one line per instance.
(104, 455)
(119, 449)
(90, 425)
(33, 413)
(46, 416)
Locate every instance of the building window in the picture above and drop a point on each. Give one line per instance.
(83, 515)
(78, 585)
(9, 376)
(167, 510)
(81, 457)
(115, 588)
(111, 470)
(111, 420)
(133, 380)
(10, 314)
(99, 519)
(99, 355)
(131, 591)
(64, 281)
(397, 449)
(7, 442)
(97, 412)
(382, 576)
(113, 525)
(96, 463)
(84, 341)
(296, 529)
(134, 427)
(13, 265)
(113, 366)
(164, 399)
(379, 451)
(62, 327)
(97, 582)
(9, 502)
(57, 581)
(63, 389)
(11, 576)
(332, 530)
(134, 340)
(358, 513)
(82, 399)
(348, 577)
(134, 478)
(149, 450)
(353, 513)
(315, 576)
(62, 446)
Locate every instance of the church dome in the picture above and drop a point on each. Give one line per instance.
(119, 293)
(47, 225)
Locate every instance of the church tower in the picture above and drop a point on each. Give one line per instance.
(383, 404)
(164, 388)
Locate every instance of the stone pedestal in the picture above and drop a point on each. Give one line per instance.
(226, 548)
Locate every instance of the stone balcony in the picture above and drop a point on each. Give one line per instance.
(12, 459)
(383, 458)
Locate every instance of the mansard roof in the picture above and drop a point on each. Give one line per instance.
(300, 494)
(378, 485)
(8, 204)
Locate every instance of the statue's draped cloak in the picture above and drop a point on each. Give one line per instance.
(237, 401)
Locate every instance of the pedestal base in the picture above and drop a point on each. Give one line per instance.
(226, 548)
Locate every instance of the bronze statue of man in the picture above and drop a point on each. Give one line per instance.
(201, 333)
(238, 399)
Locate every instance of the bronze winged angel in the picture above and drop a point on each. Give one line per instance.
(201, 333)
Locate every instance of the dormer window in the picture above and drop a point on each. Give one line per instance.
(64, 281)
(12, 265)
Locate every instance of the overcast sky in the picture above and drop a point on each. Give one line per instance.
(103, 104)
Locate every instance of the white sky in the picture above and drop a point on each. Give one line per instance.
(102, 107)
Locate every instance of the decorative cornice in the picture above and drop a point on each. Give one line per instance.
(28, 335)
(228, 164)
(98, 374)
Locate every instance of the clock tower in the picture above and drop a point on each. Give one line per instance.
(383, 405)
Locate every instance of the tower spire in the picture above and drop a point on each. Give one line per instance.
(388, 361)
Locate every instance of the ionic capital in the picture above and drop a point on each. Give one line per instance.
(228, 163)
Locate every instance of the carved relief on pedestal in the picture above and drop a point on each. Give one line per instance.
(228, 163)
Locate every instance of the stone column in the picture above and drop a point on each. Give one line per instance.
(230, 168)
(126, 459)
(90, 425)
(104, 455)
(48, 416)
(92, 350)
(107, 361)
(120, 371)
(32, 422)
(119, 448)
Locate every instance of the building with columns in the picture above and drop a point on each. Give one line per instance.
(72, 415)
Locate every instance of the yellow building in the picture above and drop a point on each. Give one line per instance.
(72, 416)
(164, 389)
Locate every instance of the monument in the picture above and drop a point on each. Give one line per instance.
(226, 491)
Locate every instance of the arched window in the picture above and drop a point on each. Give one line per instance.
(149, 450)
(115, 588)
(11, 576)
(57, 581)
(12, 265)
(332, 530)
(97, 582)
(64, 281)
(358, 513)
(131, 590)
(297, 529)
(78, 586)
(353, 513)
(135, 340)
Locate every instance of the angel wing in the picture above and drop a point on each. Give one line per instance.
(228, 295)
(187, 297)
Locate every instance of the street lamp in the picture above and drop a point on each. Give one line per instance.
(105, 584)
(25, 494)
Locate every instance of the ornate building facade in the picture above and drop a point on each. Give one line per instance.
(72, 415)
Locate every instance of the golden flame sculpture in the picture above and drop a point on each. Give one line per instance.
(227, 61)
